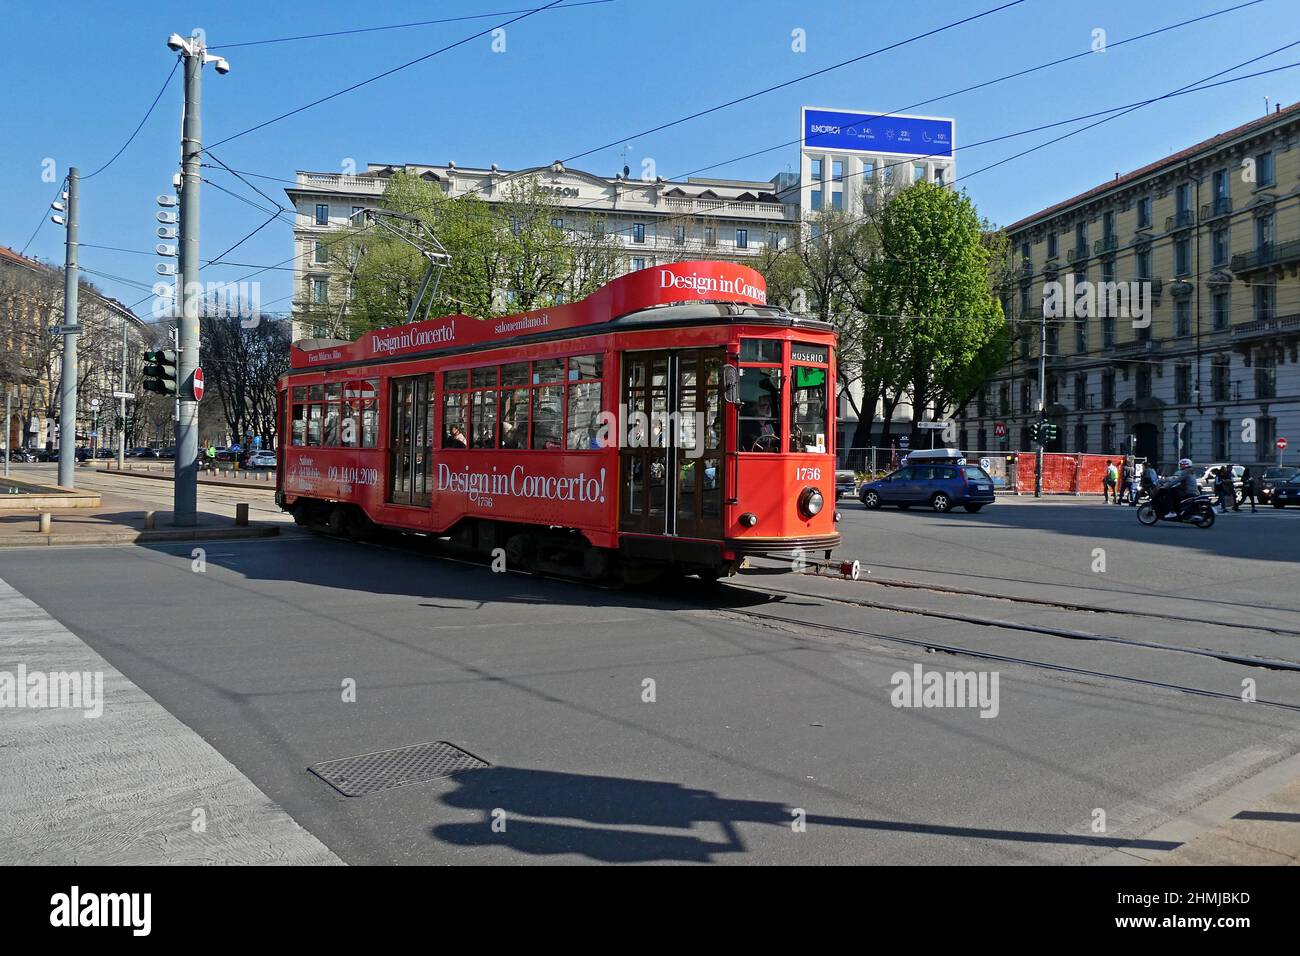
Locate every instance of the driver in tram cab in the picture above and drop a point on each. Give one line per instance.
(758, 433)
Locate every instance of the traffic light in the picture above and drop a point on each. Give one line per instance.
(1033, 431)
(160, 371)
(1049, 432)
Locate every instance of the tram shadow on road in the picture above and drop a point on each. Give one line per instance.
(622, 820)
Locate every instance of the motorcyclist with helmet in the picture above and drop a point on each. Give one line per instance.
(1173, 492)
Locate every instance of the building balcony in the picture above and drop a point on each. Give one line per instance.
(1267, 328)
(1183, 219)
(1269, 254)
(1221, 206)
(1077, 254)
(1106, 244)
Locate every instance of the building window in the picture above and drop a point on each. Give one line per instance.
(1080, 239)
(837, 199)
(1025, 307)
(1182, 384)
(888, 172)
(1263, 169)
(322, 255)
(1053, 389)
(1182, 317)
(1182, 256)
(1108, 331)
(710, 236)
(1142, 383)
(1108, 388)
(1081, 335)
(1081, 438)
(1219, 245)
(815, 200)
(1220, 377)
(940, 175)
(1024, 251)
(1222, 313)
(1144, 212)
(1053, 341)
(1220, 184)
(1026, 391)
(742, 238)
(679, 235)
(773, 239)
(1107, 438)
(918, 172)
(1183, 198)
(557, 223)
(817, 170)
(322, 214)
(1221, 450)
(1004, 399)
(638, 232)
(982, 437)
(319, 291)
(1264, 235)
(638, 263)
(1142, 262)
(1265, 300)
(1265, 373)
(1265, 436)
(1051, 245)
(982, 402)
(837, 170)
(1080, 391)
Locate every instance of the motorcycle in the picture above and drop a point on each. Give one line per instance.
(1197, 510)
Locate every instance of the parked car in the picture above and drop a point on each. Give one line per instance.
(84, 454)
(47, 455)
(1272, 477)
(1205, 481)
(940, 478)
(140, 452)
(846, 483)
(226, 454)
(1287, 492)
(169, 453)
(266, 459)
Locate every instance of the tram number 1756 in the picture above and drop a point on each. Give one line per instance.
(807, 474)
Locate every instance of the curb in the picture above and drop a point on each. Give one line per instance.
(256, 483)
(135, 537)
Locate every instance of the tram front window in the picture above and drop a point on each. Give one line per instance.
(760, 401)
(807, 409)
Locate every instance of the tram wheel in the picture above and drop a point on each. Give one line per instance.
(337, 521)
(519, 550)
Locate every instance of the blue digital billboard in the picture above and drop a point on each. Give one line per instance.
(835, 130)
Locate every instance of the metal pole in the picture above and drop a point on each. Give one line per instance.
(8, 395)
(121, 432)
(1042, 397)
(68, 376)
(185, 506)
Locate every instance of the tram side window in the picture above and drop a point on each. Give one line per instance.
(359, 425)
(584, 429)
(455, 408)
(548, 408)
(333, 396)
(483, 407)
(514, 405)
(315, 412)
(299, 427)
(760, 403)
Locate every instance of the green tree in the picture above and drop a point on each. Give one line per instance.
(934, 273)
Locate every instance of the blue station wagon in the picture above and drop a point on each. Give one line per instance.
(942, 482)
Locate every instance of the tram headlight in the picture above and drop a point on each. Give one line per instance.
(811, 502)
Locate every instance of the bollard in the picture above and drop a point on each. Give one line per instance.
(44, 522)
(241, 514)
(149, 519)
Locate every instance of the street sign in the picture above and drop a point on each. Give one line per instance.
(904, 442)
(198, 383)
(64, 329)
(1281, 444)
(933, 426)
(126, 395)
(1000, 429)
(985, 464)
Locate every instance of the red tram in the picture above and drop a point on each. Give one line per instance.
(671, 420)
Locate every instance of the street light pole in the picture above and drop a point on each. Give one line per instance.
(68, 376)
(186, 469)
(1042, 395)
(121, 431)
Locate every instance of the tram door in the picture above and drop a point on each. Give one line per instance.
(410, 441)
(672, 460)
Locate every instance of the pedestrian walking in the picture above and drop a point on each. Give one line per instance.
(1247, 490)
(1223, 487)
(1109, 482)
(1126, 490)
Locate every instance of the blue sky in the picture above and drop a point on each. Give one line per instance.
(79, 75)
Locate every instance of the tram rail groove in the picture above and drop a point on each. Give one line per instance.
(1073, 605)
(958, 651)
(1248, 660)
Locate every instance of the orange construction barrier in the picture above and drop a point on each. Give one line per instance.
(1064, 474)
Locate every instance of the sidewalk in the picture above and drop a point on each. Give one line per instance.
(1266, 834)
(228, 478)
(118, 520)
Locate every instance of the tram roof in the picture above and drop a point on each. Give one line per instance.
(666, 294)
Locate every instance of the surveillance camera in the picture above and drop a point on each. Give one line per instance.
(222, 66)
(177, 42)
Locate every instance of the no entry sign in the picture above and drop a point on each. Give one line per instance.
(198, 384)
(1281, 444)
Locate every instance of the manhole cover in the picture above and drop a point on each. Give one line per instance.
(385, 769)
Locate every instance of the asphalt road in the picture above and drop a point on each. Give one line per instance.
(768, 709)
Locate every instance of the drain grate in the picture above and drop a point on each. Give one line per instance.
(370, 773)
